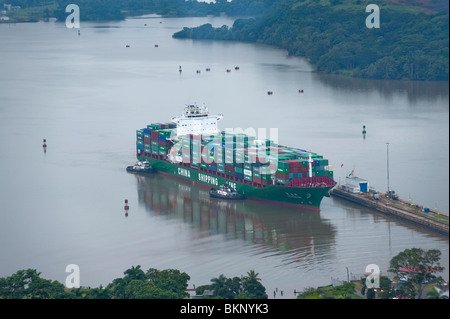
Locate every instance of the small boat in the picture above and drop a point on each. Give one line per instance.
(141, 167)
(225, 191)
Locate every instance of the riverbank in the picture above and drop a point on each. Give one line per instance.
(411, 212)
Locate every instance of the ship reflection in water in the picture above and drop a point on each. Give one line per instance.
(281, 229)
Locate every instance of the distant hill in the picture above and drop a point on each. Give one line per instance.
(333, 36)
(430, 6)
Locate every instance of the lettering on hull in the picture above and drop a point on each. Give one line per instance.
(184, 172)
(293, 195)
(208, 179)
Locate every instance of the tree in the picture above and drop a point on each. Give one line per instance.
(251, 284)
(153, 284)
(384, 292)
(134, 273)
(252, 276)
(27, 284)
(247, 287)
(169, 280)
(417, 266)
(218, 284)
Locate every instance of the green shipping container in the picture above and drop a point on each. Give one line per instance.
(155, 126)
(229, 173)
(165, 133)
(283, 170)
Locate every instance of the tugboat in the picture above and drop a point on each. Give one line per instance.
(141, 167)
(225, 191)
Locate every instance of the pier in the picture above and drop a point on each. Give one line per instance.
(405, 210)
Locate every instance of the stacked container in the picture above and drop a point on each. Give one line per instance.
(139, 141)
(235, 155)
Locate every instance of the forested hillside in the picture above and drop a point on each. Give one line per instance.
(412, 41)
(333, 36)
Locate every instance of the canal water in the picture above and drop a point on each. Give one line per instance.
(88, 93)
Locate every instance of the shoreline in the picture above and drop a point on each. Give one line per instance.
(430, 219)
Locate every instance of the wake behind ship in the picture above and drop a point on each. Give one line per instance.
(193, 149)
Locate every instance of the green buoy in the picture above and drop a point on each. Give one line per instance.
(364, 129)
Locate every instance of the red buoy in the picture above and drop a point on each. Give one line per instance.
(126, 207)
(45, 143)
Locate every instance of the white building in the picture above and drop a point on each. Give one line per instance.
(355, 184)
(196, 120)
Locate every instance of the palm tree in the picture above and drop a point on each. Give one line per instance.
(218, 284)
(252, 276)
(135, 273)
(251, 284)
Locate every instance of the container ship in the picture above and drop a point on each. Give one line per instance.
(192, 148)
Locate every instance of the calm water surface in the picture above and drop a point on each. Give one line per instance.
(87, 94)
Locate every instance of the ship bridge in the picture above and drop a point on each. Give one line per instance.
(196, 120)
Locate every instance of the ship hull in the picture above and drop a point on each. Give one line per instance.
(297, 197)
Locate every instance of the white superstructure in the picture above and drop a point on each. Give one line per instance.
(196, 120)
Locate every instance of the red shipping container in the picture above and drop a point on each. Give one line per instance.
(281, 175)
(165, 143)
(229, 167)
(154, 135)
(257, 180)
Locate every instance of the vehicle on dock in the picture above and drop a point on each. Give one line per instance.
(392, 195)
